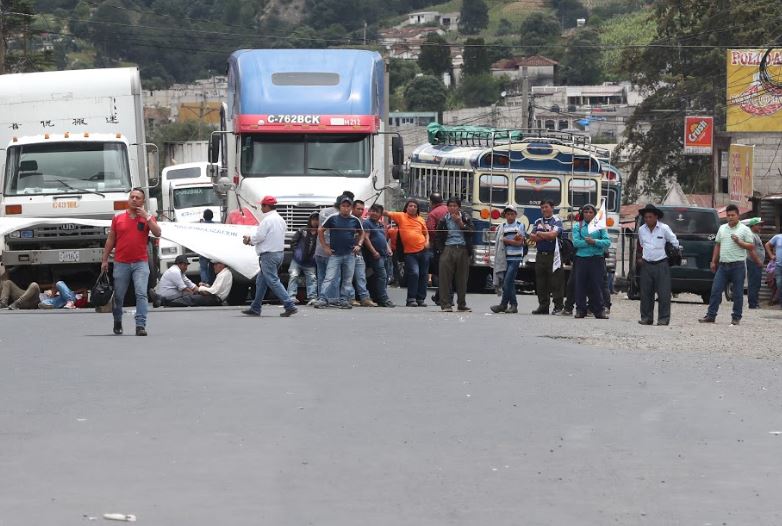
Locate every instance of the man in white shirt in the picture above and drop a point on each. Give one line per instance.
(269, 242)
(652, 261)
(174, 284)
(209, 295)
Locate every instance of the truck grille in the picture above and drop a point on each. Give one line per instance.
(68, 230)
(67, 234)
(296, 216)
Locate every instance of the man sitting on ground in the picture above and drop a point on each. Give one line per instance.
(174, 284)
(212, 295)
(14, 297)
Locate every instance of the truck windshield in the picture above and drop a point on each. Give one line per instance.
(688, 221)
(309, 155)
(57, 168)
(195, 197)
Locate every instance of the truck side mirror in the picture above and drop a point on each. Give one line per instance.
(397, 151)
(397, 172)
(214, 148)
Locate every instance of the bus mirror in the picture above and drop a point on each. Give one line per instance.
(397, 172)
(214, 148)
(397, 150)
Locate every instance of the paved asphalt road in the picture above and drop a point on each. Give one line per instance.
(377, 417)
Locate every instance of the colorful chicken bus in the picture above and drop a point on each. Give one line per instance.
(489, 169)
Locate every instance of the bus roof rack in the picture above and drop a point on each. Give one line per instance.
(491, 137)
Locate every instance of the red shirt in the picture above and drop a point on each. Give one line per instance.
(130, 243)
(434, 217)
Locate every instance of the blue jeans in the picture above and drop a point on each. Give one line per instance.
(509, 282)
(268, 278)
(733, 272)
(754, 280)
(778, 276)
(295, 271)
(379, 277)
(590, 275)
(321, 262)
(139, 273)
(338, 285)
(205, 268)
(64, 297)
(417, 274)
(360, 278)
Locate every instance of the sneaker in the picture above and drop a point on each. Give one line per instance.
(287, 313)
(69, 305)
(446, 308)
(117, 328)
(320, 304)
(13, 306)
(412, 303)
(567, 312)
(735, 321)
(345, 305)
(540, 311)
(141, 331)
(464, 308)
(706, 319)
(312, 302)
(388, 303)
(580, 315)
(513, 309)
(366, 302)
(496, 309)
(250, 312)
(45, 306)
(663, 323)
(295, 300)
(645, 322)
(601, 315)
(557, 311)
(421, 303)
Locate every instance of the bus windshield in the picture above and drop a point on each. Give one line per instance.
(308, 155)
(195, 197)
(534, 190)
(66, 168)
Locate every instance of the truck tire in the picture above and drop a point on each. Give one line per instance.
(633, 292)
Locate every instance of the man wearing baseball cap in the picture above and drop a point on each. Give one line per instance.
(511, 237)
(174, 283)
(269, 242)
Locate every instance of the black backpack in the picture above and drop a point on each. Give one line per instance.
(673, 253)
(566, 250)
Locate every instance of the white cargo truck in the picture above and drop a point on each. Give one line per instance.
(72, 146)
(187, 192)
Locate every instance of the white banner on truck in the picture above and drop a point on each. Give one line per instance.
(213, 240)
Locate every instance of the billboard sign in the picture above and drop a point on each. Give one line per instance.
(698, 135)
(752, 107)
(740, 173)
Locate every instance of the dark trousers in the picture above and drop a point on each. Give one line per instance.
(196, 300)
(379, 280)
(733, 273)
(589, 282)
(548, 283)
(656, 279)
(606, 286)
(754, 280)
(454, 269)
(417, 274)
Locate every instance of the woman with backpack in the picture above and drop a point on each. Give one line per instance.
(303, 262)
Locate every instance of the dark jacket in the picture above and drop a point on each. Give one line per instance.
(442, 233)
(305, 256)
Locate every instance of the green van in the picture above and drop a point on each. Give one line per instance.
(696, 229)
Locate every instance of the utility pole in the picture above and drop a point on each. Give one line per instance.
(2, 39)
(365, 32)
(525, 113)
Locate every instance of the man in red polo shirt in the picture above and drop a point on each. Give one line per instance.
(128, 238)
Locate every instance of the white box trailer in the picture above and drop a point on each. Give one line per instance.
(74, 146)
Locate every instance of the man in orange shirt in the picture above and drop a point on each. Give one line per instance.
(415, 244)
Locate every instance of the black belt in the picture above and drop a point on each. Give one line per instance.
(545, 252)
(732, 263)
(656, 262)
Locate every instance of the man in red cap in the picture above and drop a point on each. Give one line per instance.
(269, 242)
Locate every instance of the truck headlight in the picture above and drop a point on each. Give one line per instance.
(168, 251)
(15, 235)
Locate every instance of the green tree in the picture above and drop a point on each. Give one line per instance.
(17, 18)
(435, 56)
(504, 28)
(400, 72)
(473, 17)
(582, 61)
(538, 32)
(478, 90)
(569, 11)
(476, 57)
(618, 33)
(426, 93)
(691, 79)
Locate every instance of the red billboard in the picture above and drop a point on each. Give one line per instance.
(698, 135)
